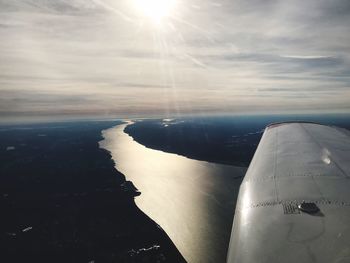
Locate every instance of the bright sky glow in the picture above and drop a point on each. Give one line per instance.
(172, 57)
(156, 10)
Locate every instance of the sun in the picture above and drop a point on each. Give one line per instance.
(156, 10)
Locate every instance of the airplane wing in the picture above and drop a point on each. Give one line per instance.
(294, 202)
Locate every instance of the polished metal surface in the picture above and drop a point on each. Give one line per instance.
(294, 203)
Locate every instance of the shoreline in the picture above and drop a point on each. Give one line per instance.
(165, 241)
(193, 201)
(169, 144)
(63, 200)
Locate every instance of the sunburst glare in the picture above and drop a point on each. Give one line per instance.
(156, 10)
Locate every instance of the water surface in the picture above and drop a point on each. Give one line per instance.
(193, 201)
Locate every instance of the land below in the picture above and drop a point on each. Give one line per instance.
(222, 139)
(62, 200)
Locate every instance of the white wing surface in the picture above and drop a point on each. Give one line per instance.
(294, 202)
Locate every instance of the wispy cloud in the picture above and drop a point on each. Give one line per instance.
(99, 57)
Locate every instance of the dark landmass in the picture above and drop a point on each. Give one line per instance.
(61, 200)
(227, 140)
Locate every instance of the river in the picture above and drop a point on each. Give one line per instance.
(193, 201)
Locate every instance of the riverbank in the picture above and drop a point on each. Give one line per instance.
(62, 200)
(192, 200)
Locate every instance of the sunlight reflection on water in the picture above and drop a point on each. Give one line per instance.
(193, 201)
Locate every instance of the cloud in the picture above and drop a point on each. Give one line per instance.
(100, 57)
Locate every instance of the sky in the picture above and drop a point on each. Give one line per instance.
(106, 58)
